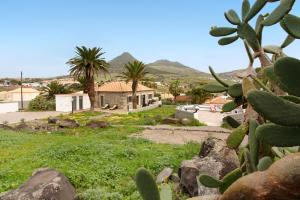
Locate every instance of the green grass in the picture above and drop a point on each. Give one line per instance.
(98, 162)
(141, 118)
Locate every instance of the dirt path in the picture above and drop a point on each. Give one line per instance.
(181, 135)
(16, 117)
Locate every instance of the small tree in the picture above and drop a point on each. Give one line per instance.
(134, 71)
(199, 95)
(175, 89)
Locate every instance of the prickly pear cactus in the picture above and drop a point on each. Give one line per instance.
(148, 188)
(270, 93)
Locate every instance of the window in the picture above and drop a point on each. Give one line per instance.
(150, 96)
(129, 99)
(137, 100)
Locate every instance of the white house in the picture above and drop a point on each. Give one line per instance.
(72, 102)
(6, 107)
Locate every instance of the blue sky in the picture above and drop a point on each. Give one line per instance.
(38, 37)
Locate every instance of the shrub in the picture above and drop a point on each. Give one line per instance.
(40, 103)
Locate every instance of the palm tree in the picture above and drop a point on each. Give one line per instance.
(134, 72)
(54, 88)
(88, 63)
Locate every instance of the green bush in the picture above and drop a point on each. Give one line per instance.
(41, 103)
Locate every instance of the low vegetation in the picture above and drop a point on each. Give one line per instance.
(100, 163)
(92, 159)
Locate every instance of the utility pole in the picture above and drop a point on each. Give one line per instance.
(22, 104)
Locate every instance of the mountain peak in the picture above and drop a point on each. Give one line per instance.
(124, 57)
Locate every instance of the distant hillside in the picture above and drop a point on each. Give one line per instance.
(161, 69)
(232, 74)
(175, 68)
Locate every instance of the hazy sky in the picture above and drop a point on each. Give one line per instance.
(39, 36)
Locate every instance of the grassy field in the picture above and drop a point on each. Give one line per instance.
(100, 163)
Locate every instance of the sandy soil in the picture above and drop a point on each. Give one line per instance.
(182, 135)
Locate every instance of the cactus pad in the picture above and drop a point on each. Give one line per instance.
(232, 17)
(230, 106)
(257, 6)
(228, 40)
(217, 77)
(279, 136)
(209, 181)
(287, 70)
(253, 141)
(166, 192)
(290, 24)
(222, 31)
(274, 108)
(236, 137)
(231, 121)
(284, 8)
(289, 40)
(235, 90)
(245, 8)
(146, 185)
(230, 178)
(264, 163)
(245, 31)
(214, 88)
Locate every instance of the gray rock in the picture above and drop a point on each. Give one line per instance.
(175, 178)
(215, 159)
(53, 120)
(68, 123)
(6, 127)
(97, 124)
(186, 121)
(44, 184)
(164, 175)
(170, 120)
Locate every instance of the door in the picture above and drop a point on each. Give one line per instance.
(144, 100)
(102, 101)
(74, 103)
(80, 102)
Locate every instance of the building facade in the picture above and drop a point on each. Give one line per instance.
(119, 93)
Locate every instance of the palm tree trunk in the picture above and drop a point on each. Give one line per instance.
(91, 92)
(134, 99)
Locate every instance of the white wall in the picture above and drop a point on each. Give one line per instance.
(9, 107)
(64, 102)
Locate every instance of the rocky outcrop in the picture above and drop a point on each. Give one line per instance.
(67, 123)
(280, 182)
(44, 184)
(97, 124)
(214, 159)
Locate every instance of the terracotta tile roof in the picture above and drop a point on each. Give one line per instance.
(183, 98)
(120, 86)
(217, 100)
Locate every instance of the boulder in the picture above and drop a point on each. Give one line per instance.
(6, 127)
(280, 182)
(214, 159)
(97, 124)
(53, 120)
(68, 123)
(44, 184)
(170, 120)
(164, 175)
(206, 197)
(186, 121)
